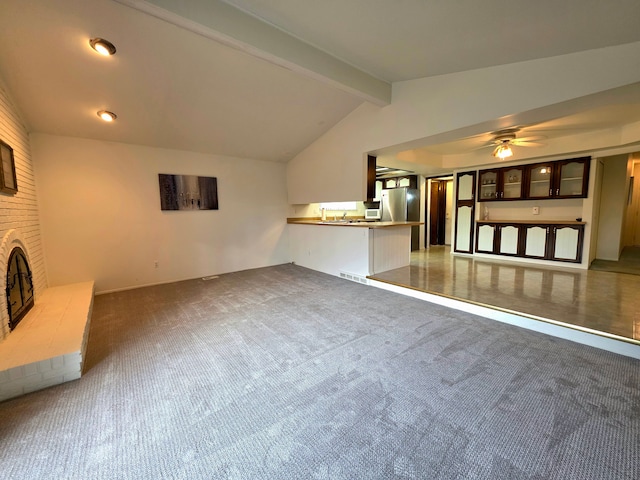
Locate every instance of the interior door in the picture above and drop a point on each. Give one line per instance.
(438, 212)
(632, 224)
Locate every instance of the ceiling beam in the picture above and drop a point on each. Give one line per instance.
(230, 26)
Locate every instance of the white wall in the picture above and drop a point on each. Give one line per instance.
(562, 209)
(612, 207)
(433, 107)
(101, 217)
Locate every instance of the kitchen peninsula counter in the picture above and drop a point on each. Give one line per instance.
(364, 249)
(350, 223)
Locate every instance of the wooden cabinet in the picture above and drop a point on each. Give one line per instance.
(410, 181)
(465, 208)
(567, 243)
(535, 241)
(509, 239)
(486, 238)
(561, 179)
(501, 184)
(546, 241)
(559, 242)
(540, 180)
(573, 178)
(500, 239)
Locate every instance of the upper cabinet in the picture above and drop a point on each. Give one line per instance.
(540, 180)
(501, 184)
(410, 181)
(573, 178)
(559, 179)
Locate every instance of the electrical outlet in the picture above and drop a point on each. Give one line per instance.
(156, 264)
(536, 210)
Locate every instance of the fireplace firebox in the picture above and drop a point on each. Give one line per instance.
(19, 287)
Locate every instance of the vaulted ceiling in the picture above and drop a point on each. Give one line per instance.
(265, 78)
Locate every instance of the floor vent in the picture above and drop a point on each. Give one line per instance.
(354, 278)
(211, 277)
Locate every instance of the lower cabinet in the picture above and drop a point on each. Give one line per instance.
(559, 242)
(567, 243)
(498, 239)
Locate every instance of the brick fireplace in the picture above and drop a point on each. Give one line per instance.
(48, 346)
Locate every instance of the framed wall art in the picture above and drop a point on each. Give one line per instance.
(8, 182)
(188, 192)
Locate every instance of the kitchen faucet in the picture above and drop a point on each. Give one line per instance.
(344, 216)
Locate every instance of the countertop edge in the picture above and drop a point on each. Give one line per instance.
(531, 222)
(358, 224)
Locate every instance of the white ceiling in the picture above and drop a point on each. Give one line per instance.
(203, 76)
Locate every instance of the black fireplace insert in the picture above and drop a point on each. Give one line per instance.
(19, 287)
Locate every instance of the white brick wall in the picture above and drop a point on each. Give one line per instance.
(19, 212)
(48, 347)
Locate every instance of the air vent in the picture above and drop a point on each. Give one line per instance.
(354, 278)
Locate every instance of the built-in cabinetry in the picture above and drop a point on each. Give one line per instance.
(465, 212)
(559, 179)
(501, 184)
(559, 241)
(410, 181)
(380, 184)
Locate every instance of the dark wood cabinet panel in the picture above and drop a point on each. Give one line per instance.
(371, 178)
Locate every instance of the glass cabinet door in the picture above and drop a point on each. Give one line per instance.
(540, 181)
(488, 185)
(571, 179)
(511, 183)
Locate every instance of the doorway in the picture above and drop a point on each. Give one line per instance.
(439, 206)
(618, 222)
(631, 233)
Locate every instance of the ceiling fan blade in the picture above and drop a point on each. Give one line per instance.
(531, 138)
(488, 145)
(523, 143)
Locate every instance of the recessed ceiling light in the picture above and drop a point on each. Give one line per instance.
(107, 116)
(102, 46)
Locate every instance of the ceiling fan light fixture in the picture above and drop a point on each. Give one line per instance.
(503, 151)
(107, 116)
(102, 46)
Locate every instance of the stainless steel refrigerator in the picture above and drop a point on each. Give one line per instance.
(402, 205)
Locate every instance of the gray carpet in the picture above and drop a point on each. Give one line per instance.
(629, 262)
(286, 373)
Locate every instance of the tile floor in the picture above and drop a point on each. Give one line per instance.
(602, 301)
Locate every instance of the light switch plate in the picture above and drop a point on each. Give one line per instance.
(536, 210)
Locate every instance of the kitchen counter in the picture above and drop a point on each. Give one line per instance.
(350, 223)
(530, 222)
(357, 252)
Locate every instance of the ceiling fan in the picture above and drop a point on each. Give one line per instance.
(504, 139)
